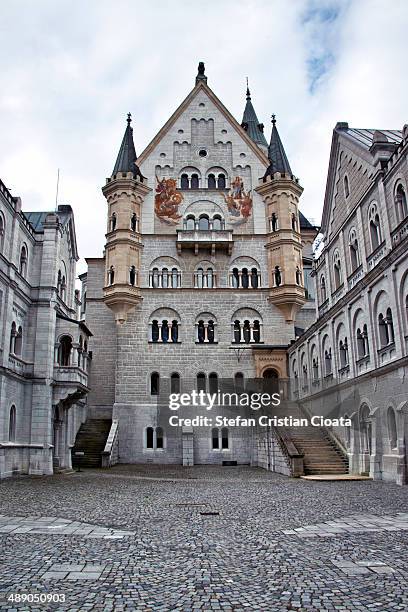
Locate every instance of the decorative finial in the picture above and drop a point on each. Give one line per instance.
(273, 119)
(129, 118)
(248, 93)
(201, 73)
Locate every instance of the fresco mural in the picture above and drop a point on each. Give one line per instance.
(167, 201)
(239, 202)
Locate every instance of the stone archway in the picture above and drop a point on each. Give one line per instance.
(271, 382)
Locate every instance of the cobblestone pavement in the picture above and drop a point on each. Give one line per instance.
(147, 538)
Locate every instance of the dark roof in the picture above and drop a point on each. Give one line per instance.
(126, 160)
(251, 124)
(36, 219)
(364, 137)
(276, 153)
(305, 223)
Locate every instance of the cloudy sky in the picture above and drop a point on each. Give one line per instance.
(71, 70)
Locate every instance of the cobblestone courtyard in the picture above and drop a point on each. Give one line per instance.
(204, 538)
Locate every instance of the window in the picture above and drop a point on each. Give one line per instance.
(201, 382)
(211, 182)
(113, 222)
(294, 222)
(190, 223)
(194, 181)
(298, 276)
(217, 223)
(277, 277)
(159, 438)
(23, 261)
(154, 383)
(246, 332)
(273, 223)
(315, 368)
(164, 331)
(221, 181)
(165, 278)
(386, 328)
(184, 182)
(154, 438)
(204, 279)
(375, 228)
(205, 331)
(18, 344)
(254, 278)
(245, 278)
(175, 383)
(328, 362)
(392, 428)
(401, 202)
(134, 223)
(203, 223)
(220, 438)
(2, 232)
(64, 351)
(363, 349)
(239, 382)
(343, 350)
(354, 252)
(111, 276)
(338, 279)
(308, 282)
(12, 424)
(13, 334)
(346, 186)
(132, 276)
(149, 437)
(213, 383)
(323, 293)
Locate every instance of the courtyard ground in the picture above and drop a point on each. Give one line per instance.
(205, 538)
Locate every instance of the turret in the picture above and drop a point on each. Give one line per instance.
(281, 191)
(124, 192)
(251, 124)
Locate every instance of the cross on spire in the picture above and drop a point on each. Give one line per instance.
(129, 118)
(273, 119)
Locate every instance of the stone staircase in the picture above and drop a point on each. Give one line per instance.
(91, 439)
(321, 454)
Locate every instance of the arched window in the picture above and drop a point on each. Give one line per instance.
(401, 202)
(133, 222)
(59, 282)
(338, 278)
(13, 334)
(390, 326)
(254, 278)
(18, 345)
(215, 438)
(257, 331)
(80, 350)
(132, 276)
(375, 228)
(315, 368)
(224, 438)
(63, 289)
(346, 186)
(328, 362)
(211, 182)
(174, 278)
(174, 330)
(277, 276)
(273, 223)
(386, 328)
(245, 278)
(343, 349)
(165, 278)
(23, 261)
(270, 382)
(210, 278)
(239, 382)
(237, 331)
(149, 437)
(194, 181)
(363, 349)
(294, 222)
(213, 382)
(235, 278)
(221, 181)
(201, 382)
(64, 351)
(217, 223)
(184, 183)
(203, 223)
(190, 223)
(111, 276)
(165, 331)
(298, 276)
(175, 383)
(2, 232)
(12, 424)
(392, 427)
(155, 331)
(247, 331)
(154, 383)
(354, 251)
(323, 293)
(159, 437)
(113, 222)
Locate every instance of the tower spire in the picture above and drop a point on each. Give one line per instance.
(126, 160)
(276, 154)
(250, 121)
(201, 73)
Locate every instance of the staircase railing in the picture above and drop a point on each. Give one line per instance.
(293, 456)
(110, 454)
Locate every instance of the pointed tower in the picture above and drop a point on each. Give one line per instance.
(281, 191)
(124, 192)
(251, 124)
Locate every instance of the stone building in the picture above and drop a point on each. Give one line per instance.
(43, 344)
(202, 276)
(353, 360)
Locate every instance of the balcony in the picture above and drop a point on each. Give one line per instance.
(70, 383)
(211, 240)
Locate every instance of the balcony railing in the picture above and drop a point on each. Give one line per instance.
(212, 239)
(70, 375)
